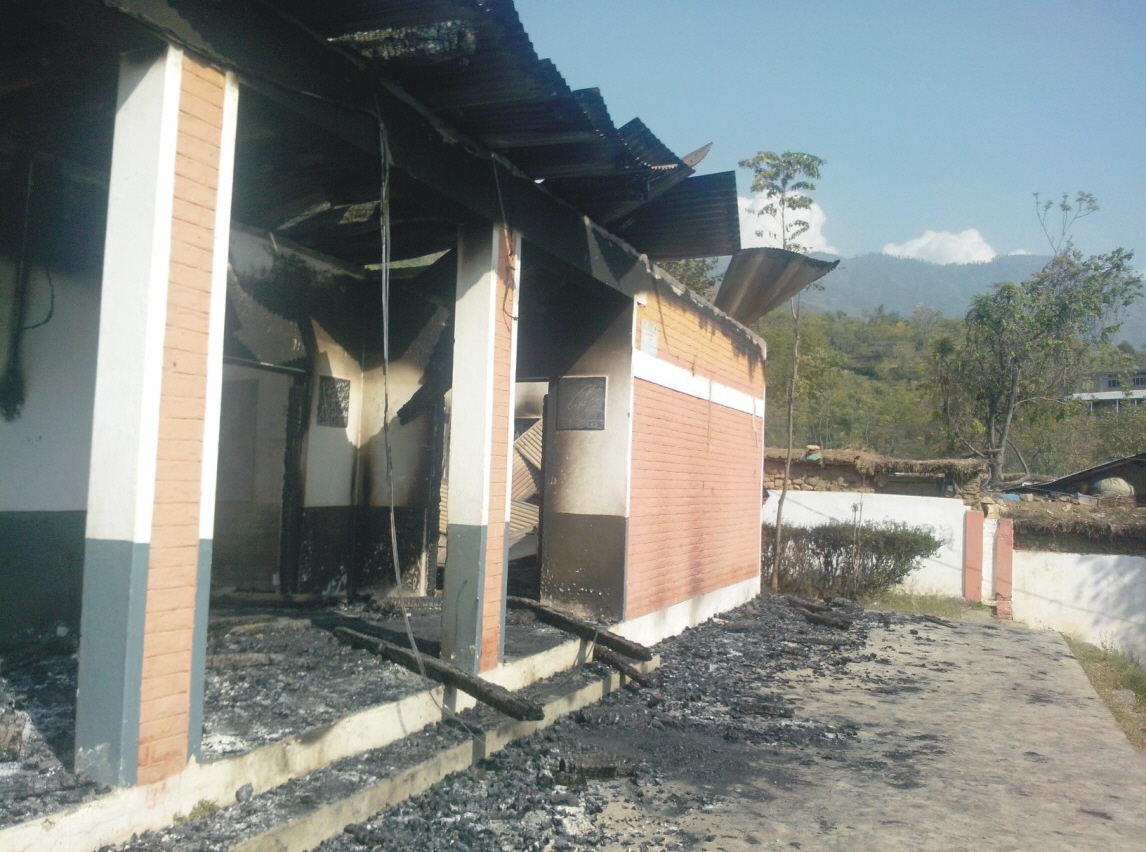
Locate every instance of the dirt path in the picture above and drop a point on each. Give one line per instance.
(976, 736)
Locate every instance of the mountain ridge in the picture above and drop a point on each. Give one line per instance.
(866, 283)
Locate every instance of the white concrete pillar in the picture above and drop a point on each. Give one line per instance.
(155, 423)
(481, 444)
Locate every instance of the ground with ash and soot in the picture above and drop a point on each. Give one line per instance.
(763, 728)
(709, 708)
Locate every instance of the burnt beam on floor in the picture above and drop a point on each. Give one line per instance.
(583, 629)
(423, 644)
(601, 654)
(499, 698)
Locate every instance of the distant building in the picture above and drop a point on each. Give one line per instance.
(1107, 390)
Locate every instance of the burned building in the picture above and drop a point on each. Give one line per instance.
(275, 279)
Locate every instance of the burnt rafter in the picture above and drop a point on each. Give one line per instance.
(425, 44)
(282, 50)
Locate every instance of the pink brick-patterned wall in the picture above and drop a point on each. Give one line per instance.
(702, 344)
(694, 524)
(1004, 562)
(168, 626)
(973, 556)
(495, 562)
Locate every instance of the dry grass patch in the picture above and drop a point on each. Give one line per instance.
(940, 606)
(1120, 682)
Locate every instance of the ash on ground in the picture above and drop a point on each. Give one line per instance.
(271, 674)
(714, 709)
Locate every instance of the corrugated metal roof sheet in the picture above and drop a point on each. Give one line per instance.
(1118, 467)
(498, 91)
(523, 519)
(528, 443)
(759, 279)
(472, 64)
(526, 479)
(697, 218)
(527, 463)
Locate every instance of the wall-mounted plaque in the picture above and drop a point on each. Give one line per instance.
(650, 337)
(581, 403)
(333, 401)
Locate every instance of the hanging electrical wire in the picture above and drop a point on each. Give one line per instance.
(384, 265)
(385, 243)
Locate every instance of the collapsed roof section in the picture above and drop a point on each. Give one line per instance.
(470, 64)
(759, 279)
(476, 127)
(1129, 468)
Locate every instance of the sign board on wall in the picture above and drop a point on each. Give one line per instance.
(581, 403)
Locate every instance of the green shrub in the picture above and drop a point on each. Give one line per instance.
(849, 560)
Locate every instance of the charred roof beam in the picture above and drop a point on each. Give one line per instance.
(339, 91)
(425, 44)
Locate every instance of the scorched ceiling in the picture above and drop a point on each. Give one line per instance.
(467, 66)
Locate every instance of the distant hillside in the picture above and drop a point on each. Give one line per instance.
(900, 284)
(860, 285)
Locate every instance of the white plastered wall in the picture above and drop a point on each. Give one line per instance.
(1099, 598)
(330, 450)
(941, 574)
(409, 442)
(46, 450)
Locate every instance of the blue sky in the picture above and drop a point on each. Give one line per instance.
(933, 116)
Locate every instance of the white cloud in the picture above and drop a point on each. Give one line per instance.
(945, 247)
(1018, 252)
(750, 223)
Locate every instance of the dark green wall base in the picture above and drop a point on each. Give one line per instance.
(111, 660)
(199, 648)
(41, 571)
(461, 591)
(583, 563)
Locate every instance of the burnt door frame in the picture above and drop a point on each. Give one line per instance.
(297, 423)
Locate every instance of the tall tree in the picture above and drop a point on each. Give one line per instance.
(695, 273)
(1026, 345)
(785, 181)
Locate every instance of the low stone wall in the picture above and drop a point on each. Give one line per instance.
(844, 477)
(815, 477)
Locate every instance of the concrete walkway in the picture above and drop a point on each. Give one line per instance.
(970, 737)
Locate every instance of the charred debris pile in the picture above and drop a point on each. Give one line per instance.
(716, 693)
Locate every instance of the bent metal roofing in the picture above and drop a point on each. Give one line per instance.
(471, 64)
(457, 82)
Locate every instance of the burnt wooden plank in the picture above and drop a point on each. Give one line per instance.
(499, 698)
(603, 655)
(583, 629)
(424, 645)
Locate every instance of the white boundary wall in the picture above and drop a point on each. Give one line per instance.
(1099, 598)
(942, 574)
